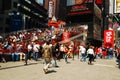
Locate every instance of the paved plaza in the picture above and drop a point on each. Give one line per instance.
(102, 69)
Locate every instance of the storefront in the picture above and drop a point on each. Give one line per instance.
(87, 13)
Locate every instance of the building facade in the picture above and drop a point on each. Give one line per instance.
(21, 14)
(80, 12)
(86, 12)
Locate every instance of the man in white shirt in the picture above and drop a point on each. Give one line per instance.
(83, 53)
(36, 48)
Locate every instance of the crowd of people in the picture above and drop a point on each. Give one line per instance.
(35, 44)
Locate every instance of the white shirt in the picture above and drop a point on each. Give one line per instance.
(36, 47)
(90, 51)
(29, 47)
(83, 50)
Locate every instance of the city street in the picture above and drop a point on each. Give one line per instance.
(101, 69)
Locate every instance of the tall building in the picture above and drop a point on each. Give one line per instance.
(21, 14)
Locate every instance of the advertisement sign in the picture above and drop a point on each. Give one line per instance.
(78, 7)
(66, 37)
(117, 6)
(108, 38)
(79, 1)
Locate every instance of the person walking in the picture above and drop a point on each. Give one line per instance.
(66, 49)
(90, 52)
(47, 55)
(83, 53)
(36, 48)
(54, 54)
(29, 50)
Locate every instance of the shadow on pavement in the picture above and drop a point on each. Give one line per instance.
(16, 66)
(51, 71)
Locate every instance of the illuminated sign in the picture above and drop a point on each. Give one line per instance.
(51, 10)
(76, 13)
(86, 8)
(79, 1)
(117, 6)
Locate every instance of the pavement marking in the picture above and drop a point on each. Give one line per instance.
(104, 65)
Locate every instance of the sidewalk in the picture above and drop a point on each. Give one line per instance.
(76, 70)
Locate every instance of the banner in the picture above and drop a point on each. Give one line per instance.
(108, 38)
(66, 37)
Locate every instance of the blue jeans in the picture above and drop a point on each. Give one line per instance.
(15, 56)
(83, 57)
(55, 63)
(29, 55)
(65, 57)
(35, 56)
(110, 56)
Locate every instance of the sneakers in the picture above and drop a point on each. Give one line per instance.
(45, 71)
(56, 66)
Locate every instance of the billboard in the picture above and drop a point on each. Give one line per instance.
(116, 6)
(77, 2)
(78, 7)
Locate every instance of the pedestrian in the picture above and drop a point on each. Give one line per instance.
(54, 54)
(2, 55)
(36, 48)
(47, 55)
(118, 60)
(25, 50)
(110, 53)
(62, 49)
(90, 52)
(29, 50)
(104, 53)
(66, 49)
(83, 53)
